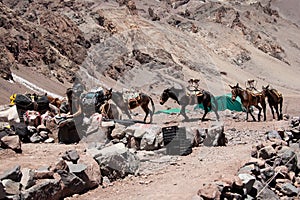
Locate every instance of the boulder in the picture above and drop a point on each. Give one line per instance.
(209, 191)
(92, 171)
(72, 184)
(11, 142)
(14, 174)
(71, 155)
(47, 189)
(11, 187)
(116, 161)
(27, 179)
(215, 136)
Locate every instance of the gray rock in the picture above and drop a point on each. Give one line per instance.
(248, 181)
(72, 183)
(249, 169)
(287, 189)
(139, 133)
(260, 192)
(148, 141)
(288, 158)
(273, 135)
(118, 132)
(46, 190)
(11, 187)
(60, 165)
(215, 136)
(71, 155)
(76, 168)
(11, 142)
(267, 173)
(93, 173)
(117, 161)
(43, 173)
(14, 174)
(27, 179)
(266, 152)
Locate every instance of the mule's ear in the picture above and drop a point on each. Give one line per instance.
(237, 85)
(110, 90)
(230, 86)
(267, 87)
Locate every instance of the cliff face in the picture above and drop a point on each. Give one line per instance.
(34, 36)
(150, 44)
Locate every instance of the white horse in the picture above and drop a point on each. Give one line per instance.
(11, 113)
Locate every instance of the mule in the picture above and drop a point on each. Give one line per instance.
(106, 110)
(118, 99)
(249, 99)
(54, 101)
(143, 101)
(181, 97)
(275, 98)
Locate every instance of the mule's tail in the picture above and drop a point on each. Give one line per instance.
(215, 107)
(280, 106)
(152, 103)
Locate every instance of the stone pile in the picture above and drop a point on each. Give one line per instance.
(70, 175)
(150, 137)
(273, 172)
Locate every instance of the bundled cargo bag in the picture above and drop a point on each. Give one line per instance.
(32, 118)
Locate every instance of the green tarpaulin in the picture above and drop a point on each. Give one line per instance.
(170, 111)
(224, 102)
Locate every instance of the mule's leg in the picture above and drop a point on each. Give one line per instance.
(216, 112)
(127, 112)
(271, 107)
(247, 112)
(280, 107)
(264, 110)
(250, 111)
(205, 113)
(259, 111)
(277, 112)
(146, 110)
(182, 112)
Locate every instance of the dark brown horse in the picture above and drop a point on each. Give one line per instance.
(275, 98)
(181, 97)
(249, 99)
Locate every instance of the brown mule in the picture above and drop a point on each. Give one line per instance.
(249, 99)
(142, 100)
(275, 98)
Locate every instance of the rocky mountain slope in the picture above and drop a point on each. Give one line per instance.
(149, 45)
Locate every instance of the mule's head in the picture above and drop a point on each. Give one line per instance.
(108, 94)
(265, 89)
(234, 91)
(164, 96)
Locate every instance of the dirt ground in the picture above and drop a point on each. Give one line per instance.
(178, 179)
